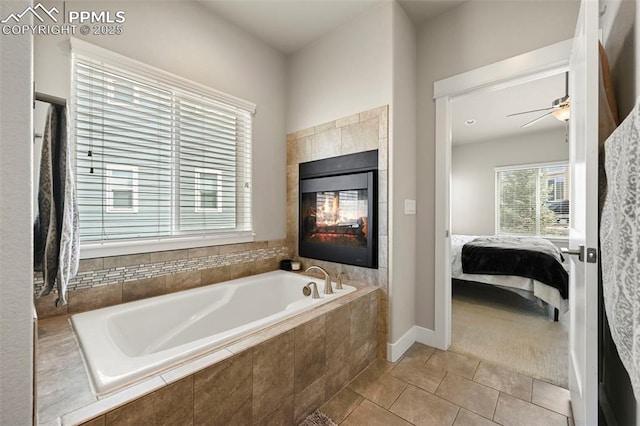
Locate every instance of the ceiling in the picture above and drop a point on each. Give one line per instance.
(421, 10)
(289, 25)
(490, 110)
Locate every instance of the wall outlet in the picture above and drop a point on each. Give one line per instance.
(409, 206)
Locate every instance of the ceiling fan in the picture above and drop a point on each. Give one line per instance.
(560, 108)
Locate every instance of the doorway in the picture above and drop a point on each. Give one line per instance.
(510, 176)
(531, 66)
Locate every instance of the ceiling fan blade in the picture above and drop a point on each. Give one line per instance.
(533, 110)
(536, 120)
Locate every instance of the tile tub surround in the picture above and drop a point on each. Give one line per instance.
(108, 281)
(277, 375)
(365, 131)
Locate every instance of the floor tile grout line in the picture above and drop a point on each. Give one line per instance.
(548, 409)
(400, 394)
(532, 380)
(457, 414)
(388, 410)
(521, 399)
(495, 408)
(537, 405)
(397, 415)
(513, 371)
(354, 408)
(351, 412)
(460, 406)
(499, 390)
(440, 384)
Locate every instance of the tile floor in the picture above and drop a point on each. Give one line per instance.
(431, 387)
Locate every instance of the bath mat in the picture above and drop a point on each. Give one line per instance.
(317, 418)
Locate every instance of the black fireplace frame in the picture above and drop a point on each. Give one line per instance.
(347, 172)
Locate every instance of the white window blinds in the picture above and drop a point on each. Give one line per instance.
(157, 157)
(533, 200)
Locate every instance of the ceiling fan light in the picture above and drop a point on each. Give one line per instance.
(563, 113)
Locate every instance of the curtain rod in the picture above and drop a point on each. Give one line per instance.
(50, 99)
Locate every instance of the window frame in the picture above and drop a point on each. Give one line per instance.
(197, 172)
(554, 182)
(548, 164)
(179, 240)
(109, 188)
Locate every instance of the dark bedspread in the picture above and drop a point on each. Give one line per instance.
(528, 257)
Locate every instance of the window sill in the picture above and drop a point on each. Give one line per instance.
(120, 248)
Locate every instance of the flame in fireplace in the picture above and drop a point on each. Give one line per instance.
(339, 214)
(329, 212)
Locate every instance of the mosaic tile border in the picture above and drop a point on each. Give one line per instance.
(122, 274)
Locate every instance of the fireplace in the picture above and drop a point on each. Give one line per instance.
(338, 209)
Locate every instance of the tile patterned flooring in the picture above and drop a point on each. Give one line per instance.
(431, 387)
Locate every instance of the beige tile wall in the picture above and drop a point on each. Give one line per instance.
(365, 131)
(212, 265)
(278, 382)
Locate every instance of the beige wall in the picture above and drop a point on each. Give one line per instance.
(366, 62)
(344, 72)
(16, 247)
(186, 39)
(473, 174)
(467, 37)
(402, 177)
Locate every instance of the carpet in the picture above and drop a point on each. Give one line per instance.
(317, 418)
(503, 328)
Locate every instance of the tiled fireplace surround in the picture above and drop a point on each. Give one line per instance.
(365, 131)
(112, 280)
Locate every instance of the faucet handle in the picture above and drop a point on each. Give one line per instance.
(339, 281)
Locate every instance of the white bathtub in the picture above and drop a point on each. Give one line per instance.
(124, 343)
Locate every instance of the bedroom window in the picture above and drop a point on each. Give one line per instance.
(159, 160)
(533, 200)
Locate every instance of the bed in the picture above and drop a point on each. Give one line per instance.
(538, 273)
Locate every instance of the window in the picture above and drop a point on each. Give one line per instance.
(208, 190)
(533, 200)
(158, 158)
(122, 188)
(556, 189)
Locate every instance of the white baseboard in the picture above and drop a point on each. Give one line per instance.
(426, 336)
(400, 346)
(414, 334)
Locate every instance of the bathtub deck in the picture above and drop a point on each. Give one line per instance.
(64, 395)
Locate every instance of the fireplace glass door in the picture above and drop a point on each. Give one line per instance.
(336, 218)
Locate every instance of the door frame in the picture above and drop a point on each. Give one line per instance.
(530, 66)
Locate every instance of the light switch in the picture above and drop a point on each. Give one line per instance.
(409, 206)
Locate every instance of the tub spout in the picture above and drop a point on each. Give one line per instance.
(311, 289)
(327, 279)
